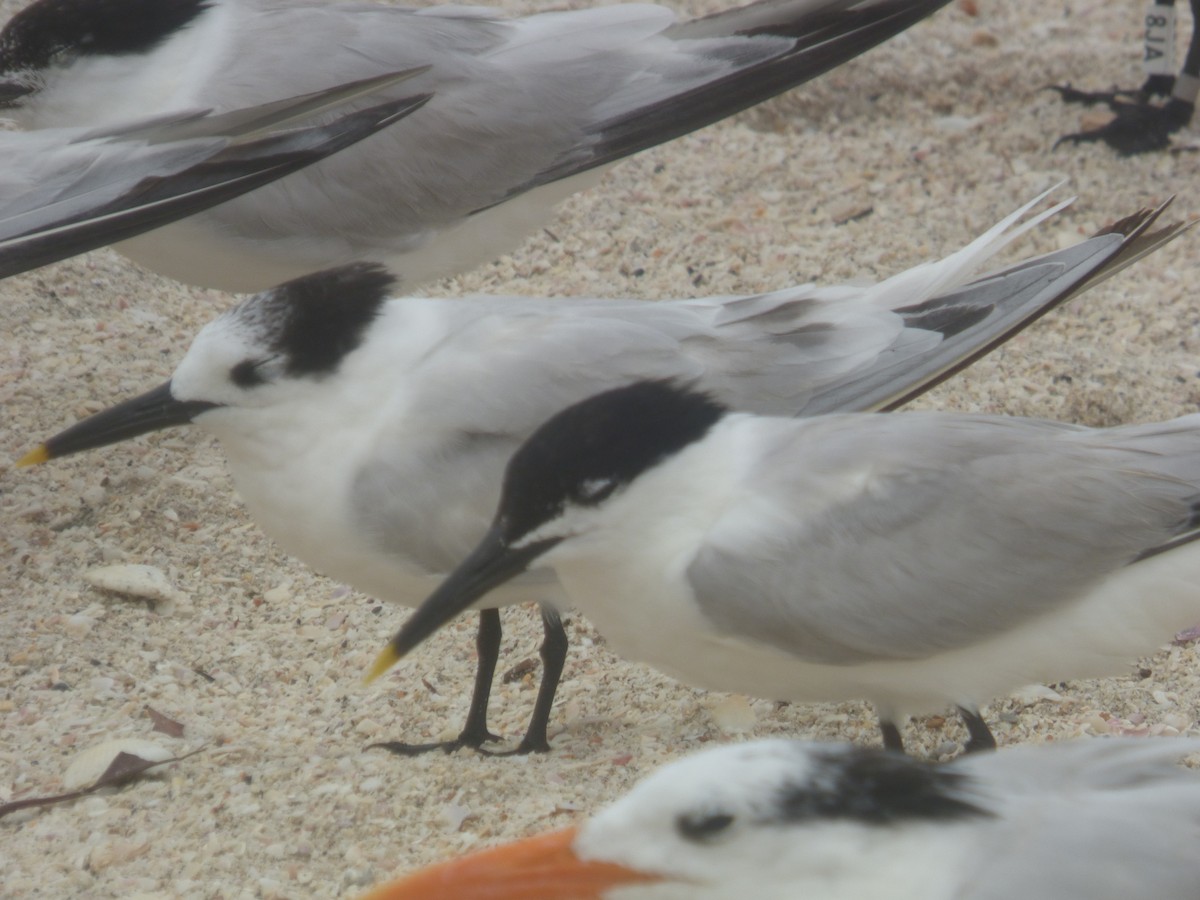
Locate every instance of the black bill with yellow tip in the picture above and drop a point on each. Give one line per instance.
(490, 564)
(151, 411)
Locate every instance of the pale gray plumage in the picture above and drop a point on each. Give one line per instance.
(67, 190)
(1104, 819)
(916, 561)
(371, 441)
(1099, 819)
(523, 107)
(1062, 505)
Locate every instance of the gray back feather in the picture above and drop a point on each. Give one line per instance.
(1096, 818)
(940, 530)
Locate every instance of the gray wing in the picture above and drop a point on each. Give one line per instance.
(511, 363)
(728, 62)
(800, 351)
(1107, 819)
(559, 93)
(64, 192)
(972, 320)
(507, 366)
(864, 538)
(519, 104)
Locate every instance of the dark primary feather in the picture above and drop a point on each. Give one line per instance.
(809, 45)
(113, 200)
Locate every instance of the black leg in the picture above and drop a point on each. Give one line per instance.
(475, 732)
(1113, 99)
(981, 736)
(1140, 125)
(892, 741)
(1191, 63)
(1156, 86)
(554, 656)
(487, 649)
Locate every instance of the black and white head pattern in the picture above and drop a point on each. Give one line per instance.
(589, 451)
(307, 327)
(56, 32)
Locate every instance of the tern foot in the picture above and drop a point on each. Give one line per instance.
(1157, 86)
(554, 655)
(535, 740)
(472, 740)
(981, 737)
(522, 749)
(1069, 94)
(1154, 86)
(1138, 127)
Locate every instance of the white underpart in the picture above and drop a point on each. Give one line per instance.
(294, 458)
(100, 90)
(625, 569)
(185, 250)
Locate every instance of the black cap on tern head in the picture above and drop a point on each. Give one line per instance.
(588, 451)
(578, 457)
(315, 321)
(876, 787)
(63, 29)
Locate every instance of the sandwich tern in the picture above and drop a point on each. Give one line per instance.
(368, 435)
(776, 820)
(65, 191)
(526, 111)
(916, 560)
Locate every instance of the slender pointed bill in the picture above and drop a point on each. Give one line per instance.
(543, 867)
(490, 564)
(387, 658)
(36, 456)
(151, 411)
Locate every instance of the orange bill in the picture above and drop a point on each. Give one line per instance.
(543, 867)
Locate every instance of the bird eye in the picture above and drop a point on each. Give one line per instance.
(593, 490)
(702, 827)
(245, 374)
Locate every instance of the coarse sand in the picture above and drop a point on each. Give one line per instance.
(897, 158)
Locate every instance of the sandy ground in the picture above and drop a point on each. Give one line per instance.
(932, 138)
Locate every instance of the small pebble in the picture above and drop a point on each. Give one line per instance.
(134, 580)
(734, 715)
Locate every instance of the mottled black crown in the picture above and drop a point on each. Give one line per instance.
(589, 450)
(877, 788)
(48, 29)
(315, 321)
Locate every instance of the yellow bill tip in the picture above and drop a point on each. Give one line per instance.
(384, 661)
(36, 456)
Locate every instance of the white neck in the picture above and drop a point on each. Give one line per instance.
(97, 90)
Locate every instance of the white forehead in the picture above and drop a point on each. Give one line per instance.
(741, 777)
(204, 371)
(642, 830)
(743, 780)
(761, 850)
